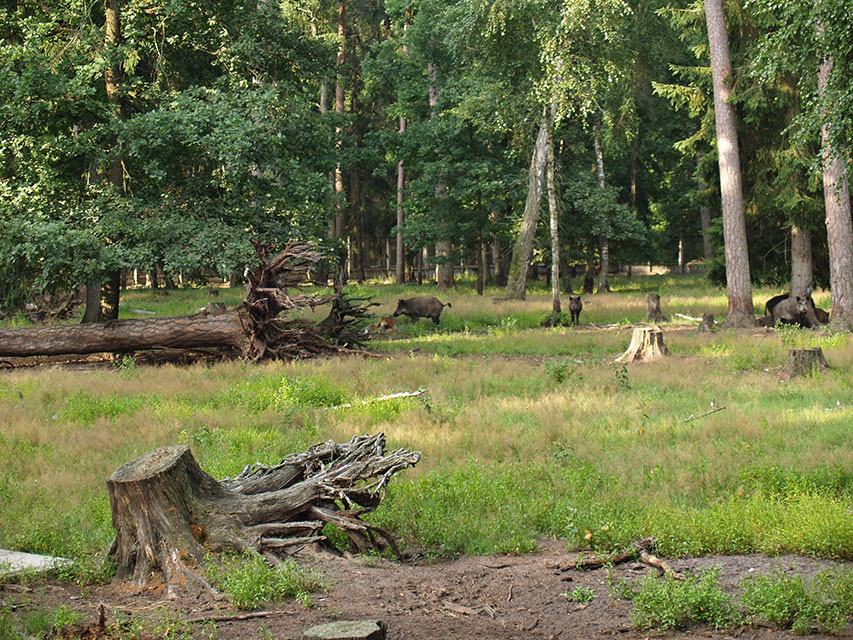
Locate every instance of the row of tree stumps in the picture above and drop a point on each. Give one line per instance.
(647, 344)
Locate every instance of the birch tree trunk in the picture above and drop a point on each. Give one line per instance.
(516, 286)
(604, 242)
(839, 228)
(340, 196)
(739, 285)
(552, 207)
(801, 260)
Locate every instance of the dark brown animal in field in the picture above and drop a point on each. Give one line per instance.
(575, 308)
(822, 316)
(421, 307)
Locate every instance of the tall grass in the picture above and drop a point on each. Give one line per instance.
(524, 431)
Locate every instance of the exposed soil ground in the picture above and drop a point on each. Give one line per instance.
(494, 597)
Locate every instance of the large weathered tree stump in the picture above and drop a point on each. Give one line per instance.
(169, 514)
(653, 312)
(804, 362)
(646, 345)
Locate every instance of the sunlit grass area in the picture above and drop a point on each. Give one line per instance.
(524, 431)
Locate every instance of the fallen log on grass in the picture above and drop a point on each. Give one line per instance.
(257, 330)
(169, 515)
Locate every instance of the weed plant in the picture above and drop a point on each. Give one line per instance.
(249, 581)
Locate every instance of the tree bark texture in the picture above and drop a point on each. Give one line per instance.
(705, 221)
(653, 312)
(516, 286)
(839, 228)
(802, 274)
(552, 208)
(603, 241)
(646, 345)
(804, 362)
(739, 285)
(118, 336)
(400, 271)
(169, 514)
(340, 108)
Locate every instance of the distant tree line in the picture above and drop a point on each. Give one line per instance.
(416, 135)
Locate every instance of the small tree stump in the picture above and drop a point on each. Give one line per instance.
(653, 312)
(707, 323)
(803, 362)
(646, 345)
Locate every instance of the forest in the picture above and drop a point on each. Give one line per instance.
(410, 137)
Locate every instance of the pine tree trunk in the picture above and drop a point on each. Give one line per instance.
(120, 336)
(802, 274)
(705, 221)
(739, 285)
(400, 271)
(839, 228)
(516, 286)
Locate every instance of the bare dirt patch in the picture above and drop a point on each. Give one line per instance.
(494, 597)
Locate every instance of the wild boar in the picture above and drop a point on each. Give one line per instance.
(771, 304)
(420, 307)
(794, 310)
(575, 308)
(822, 316)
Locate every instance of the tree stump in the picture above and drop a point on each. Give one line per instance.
(646, 345)
(707, 324)
(803, 362)
(653, 312)
(169, 514)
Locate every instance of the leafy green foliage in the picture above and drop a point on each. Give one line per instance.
(791, 602)
(665, 603)
(250, 581)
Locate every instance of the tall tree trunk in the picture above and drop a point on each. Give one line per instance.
(739, 285)
(552, 208)
(802, 272)
(93, 303)
(340, 107)
(589, 272)
(443, 247)
(705, 220)
(839, 228)
(401, 216)
(604, 241)
(107, 305)
(481, 262)
(681, 251)
(516, 286)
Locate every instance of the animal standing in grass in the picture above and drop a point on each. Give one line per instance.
(575, 308)
(420, 307)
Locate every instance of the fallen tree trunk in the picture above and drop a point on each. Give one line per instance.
(121, 336)
(169, 514)
(257, 330)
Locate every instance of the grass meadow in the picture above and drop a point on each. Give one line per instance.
(525, 432)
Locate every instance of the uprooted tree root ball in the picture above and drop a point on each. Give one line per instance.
(169, 515)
